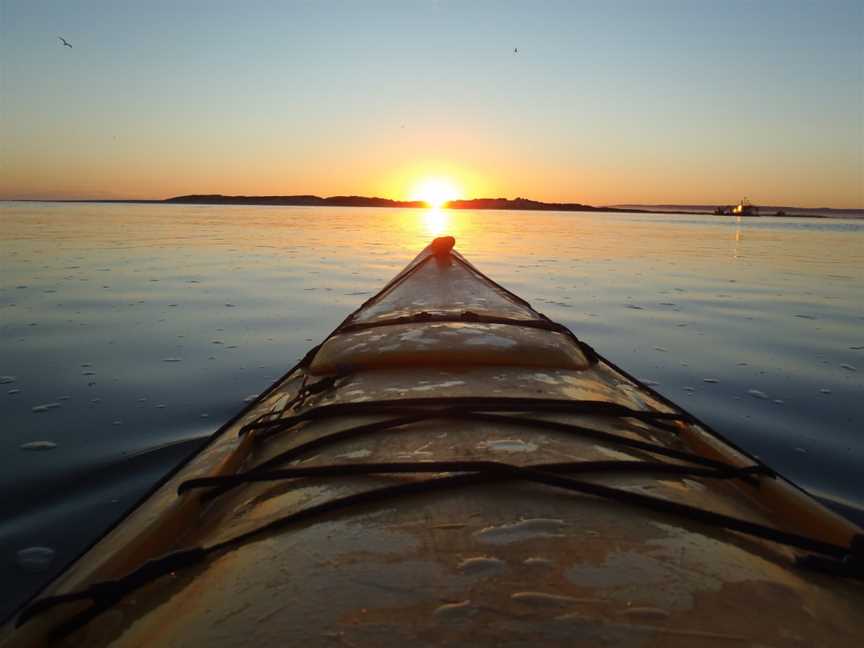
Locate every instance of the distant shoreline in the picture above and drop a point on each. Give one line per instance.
(519, 204)
(516, 204)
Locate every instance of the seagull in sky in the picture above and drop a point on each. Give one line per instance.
(515, 50)
(64, 41)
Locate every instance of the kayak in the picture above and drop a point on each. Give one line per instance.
(449, 466)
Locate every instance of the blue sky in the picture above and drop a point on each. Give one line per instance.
(603, 103)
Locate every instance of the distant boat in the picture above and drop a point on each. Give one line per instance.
(743, 208)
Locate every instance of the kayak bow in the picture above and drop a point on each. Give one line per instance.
(451, 466)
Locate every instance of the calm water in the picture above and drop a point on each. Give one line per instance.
(128, 333)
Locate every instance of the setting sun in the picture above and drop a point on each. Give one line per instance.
(436, 191)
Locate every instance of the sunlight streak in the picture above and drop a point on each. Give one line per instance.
(436, 221)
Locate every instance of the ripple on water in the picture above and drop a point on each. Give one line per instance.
(35, 559)
(45, 407)
(38, 445)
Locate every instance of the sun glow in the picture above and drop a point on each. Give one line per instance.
(435, 192)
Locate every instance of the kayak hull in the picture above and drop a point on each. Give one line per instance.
(503, 561)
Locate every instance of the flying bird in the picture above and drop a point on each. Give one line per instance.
(64, 41)
(515, 50)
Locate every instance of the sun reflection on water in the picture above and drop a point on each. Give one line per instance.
(436, 221)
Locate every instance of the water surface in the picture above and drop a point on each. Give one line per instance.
(128, 333)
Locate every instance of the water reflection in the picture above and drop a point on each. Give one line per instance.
(436, 221)
(739, 236)
(145, 327)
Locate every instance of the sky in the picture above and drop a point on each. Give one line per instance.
(698, 102)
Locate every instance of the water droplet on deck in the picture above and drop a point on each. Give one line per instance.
(712, 381)
(12, 392)
(542, 599)
(5, 380)
(522, 530)
(848, 367)
(755, 393)
(172, 360)
(482, 565)
(538, 562)
(824, 390)
(355, 454)
(645, 614)
(454, 611)
(507, 445)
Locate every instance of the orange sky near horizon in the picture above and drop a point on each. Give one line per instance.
(128, 171)
(600, 105)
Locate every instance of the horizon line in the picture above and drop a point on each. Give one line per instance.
(418, 204)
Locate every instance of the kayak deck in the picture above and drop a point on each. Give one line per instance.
(490, 480)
